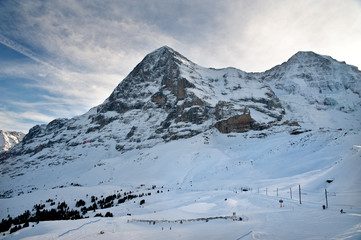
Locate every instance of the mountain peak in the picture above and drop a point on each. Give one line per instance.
(163, 53)
(306, 56)
(312, 60)
(165, 48)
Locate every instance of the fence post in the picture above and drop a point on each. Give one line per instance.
(326, 198)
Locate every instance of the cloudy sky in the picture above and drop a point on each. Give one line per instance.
(59, 58)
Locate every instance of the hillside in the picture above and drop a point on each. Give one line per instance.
(196, 143)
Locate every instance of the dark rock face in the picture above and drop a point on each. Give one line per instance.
(157, 82)
(238, 123)
(159, 98)
(33, 132)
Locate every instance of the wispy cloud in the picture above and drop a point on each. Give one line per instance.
(24, 120)
(25, 51)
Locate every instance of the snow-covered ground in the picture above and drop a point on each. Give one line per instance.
(203, 177)
(262, 218)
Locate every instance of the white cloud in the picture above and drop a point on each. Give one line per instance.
(84, 54)
(24, 120)
(34, 116)
(266, 33)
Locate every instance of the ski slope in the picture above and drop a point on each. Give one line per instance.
(203, 177)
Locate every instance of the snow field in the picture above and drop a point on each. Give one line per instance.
(205, 176)
(262, 219)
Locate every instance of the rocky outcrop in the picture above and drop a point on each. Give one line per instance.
(159, 98)
(238, 123)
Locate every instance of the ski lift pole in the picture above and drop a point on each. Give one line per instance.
(326, 198)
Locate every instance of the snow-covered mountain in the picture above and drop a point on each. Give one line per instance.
(317, 89)
(205, 135)
(9, 139)
(168, 97)
(165, 97)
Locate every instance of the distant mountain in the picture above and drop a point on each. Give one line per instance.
(167, 97)
(9, 139)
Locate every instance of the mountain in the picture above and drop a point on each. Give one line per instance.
(9, 139)
(166, 97)
(183, 148)
(317, 90)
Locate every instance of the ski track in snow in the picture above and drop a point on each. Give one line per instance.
(245, 235)
(71, 230)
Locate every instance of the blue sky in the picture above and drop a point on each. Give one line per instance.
(59, 58)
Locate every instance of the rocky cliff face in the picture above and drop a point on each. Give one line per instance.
(167, 97)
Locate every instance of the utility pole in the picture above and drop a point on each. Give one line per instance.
(326, 198)
(299, 193)
(291, 192)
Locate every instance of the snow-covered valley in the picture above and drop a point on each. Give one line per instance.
(207, 177)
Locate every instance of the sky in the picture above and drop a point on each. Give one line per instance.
(60, 58)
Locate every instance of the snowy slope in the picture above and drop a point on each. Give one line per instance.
(203, 171)
(9, 139)
(158, 128)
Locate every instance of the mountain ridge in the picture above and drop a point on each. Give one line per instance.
(166, 97)
(188, 85)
